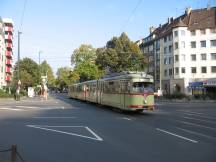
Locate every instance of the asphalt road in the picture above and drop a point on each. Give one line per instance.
(67, 130)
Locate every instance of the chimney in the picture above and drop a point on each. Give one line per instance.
(171, 19)
(152, 29)
(188, 10)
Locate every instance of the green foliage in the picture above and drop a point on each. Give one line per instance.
(4, 94)
(120, 54)
(84, 53)
(46, 69)
(84, 60)
(88, 71)
(29, 73)
(65, 77)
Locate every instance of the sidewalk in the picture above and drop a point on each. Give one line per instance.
(184, 100)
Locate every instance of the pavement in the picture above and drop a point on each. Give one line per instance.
(66, 130)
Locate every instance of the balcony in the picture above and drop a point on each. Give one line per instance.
(9, 37)
(9, 29)
(9, 45)
(8, 78)
(8, 62)
(8, 70)
(8, 54)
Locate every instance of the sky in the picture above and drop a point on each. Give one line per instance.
(57, 27)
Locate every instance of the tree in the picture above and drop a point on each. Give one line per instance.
(46, 69)
(88, 71)
(29, 73)
(66, 77)
(84, 60)
(120, 54)
(84, 53)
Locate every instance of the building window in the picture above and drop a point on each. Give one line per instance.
(193, 57)
(202, 32)
(170, 48)
(193, 32)
(213, 43)
(182, 32)
(203, 56)
(193, 70)
(183, 44)
(213, 30)
(175, 33)
(203, 69)
(183, 57)
(183, 70)
(165, 72)
(213, 69)
(176, 45)
(165, 39)
(193, 44)
(165, 50)
(170, 72)
(165, 61)
(170, 37)
(176, 58)
(202, 43)
(213, 56)
(176, 70)
(170, 60)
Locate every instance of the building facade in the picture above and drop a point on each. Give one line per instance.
(2, 55)
(182, 51)
(8, 34)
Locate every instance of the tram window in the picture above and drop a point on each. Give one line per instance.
(142, 87)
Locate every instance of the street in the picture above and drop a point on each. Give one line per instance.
(67, 130)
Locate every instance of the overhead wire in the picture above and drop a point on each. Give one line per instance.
(23, 14)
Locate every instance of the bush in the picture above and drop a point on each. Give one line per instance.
(4, 94)
(175, 95)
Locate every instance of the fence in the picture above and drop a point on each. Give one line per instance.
(11, 153)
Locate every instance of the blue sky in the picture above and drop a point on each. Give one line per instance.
(57, 27)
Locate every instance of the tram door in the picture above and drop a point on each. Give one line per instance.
(99, 92)
(122, 93)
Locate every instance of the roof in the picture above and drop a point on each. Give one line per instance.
(196, 19)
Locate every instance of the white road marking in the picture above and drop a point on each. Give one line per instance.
(187, 111)
(127, 118)
(63, 107)
(173, 134)
(206, 117)
(196, 133)
(97, 138)
(13, 109)
(29, 107)
(54, 117)
(198, 125)
(207, 121)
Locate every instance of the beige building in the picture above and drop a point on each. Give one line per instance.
(182, 52)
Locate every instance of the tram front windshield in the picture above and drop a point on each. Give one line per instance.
(142, 87)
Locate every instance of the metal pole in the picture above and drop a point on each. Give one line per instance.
(18, 62)
(13, 153)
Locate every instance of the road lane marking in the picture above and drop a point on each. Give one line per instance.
(127, 118)
(196, 133)
(29, 107)
(37, 108)
(96, 137)
(176, 135)
(207, 121)
(54, 117)
(198, 125)
(13, 109)
(187, 111)
(206, 117)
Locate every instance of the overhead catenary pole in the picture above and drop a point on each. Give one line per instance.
(18, 69)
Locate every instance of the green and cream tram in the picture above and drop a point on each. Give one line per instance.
(132, 91)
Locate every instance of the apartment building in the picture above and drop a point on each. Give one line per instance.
(2, 55)
(8, 33)
(182, 52)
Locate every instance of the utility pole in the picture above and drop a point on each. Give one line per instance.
(18, 69)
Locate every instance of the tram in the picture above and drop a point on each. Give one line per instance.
(131, 91)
